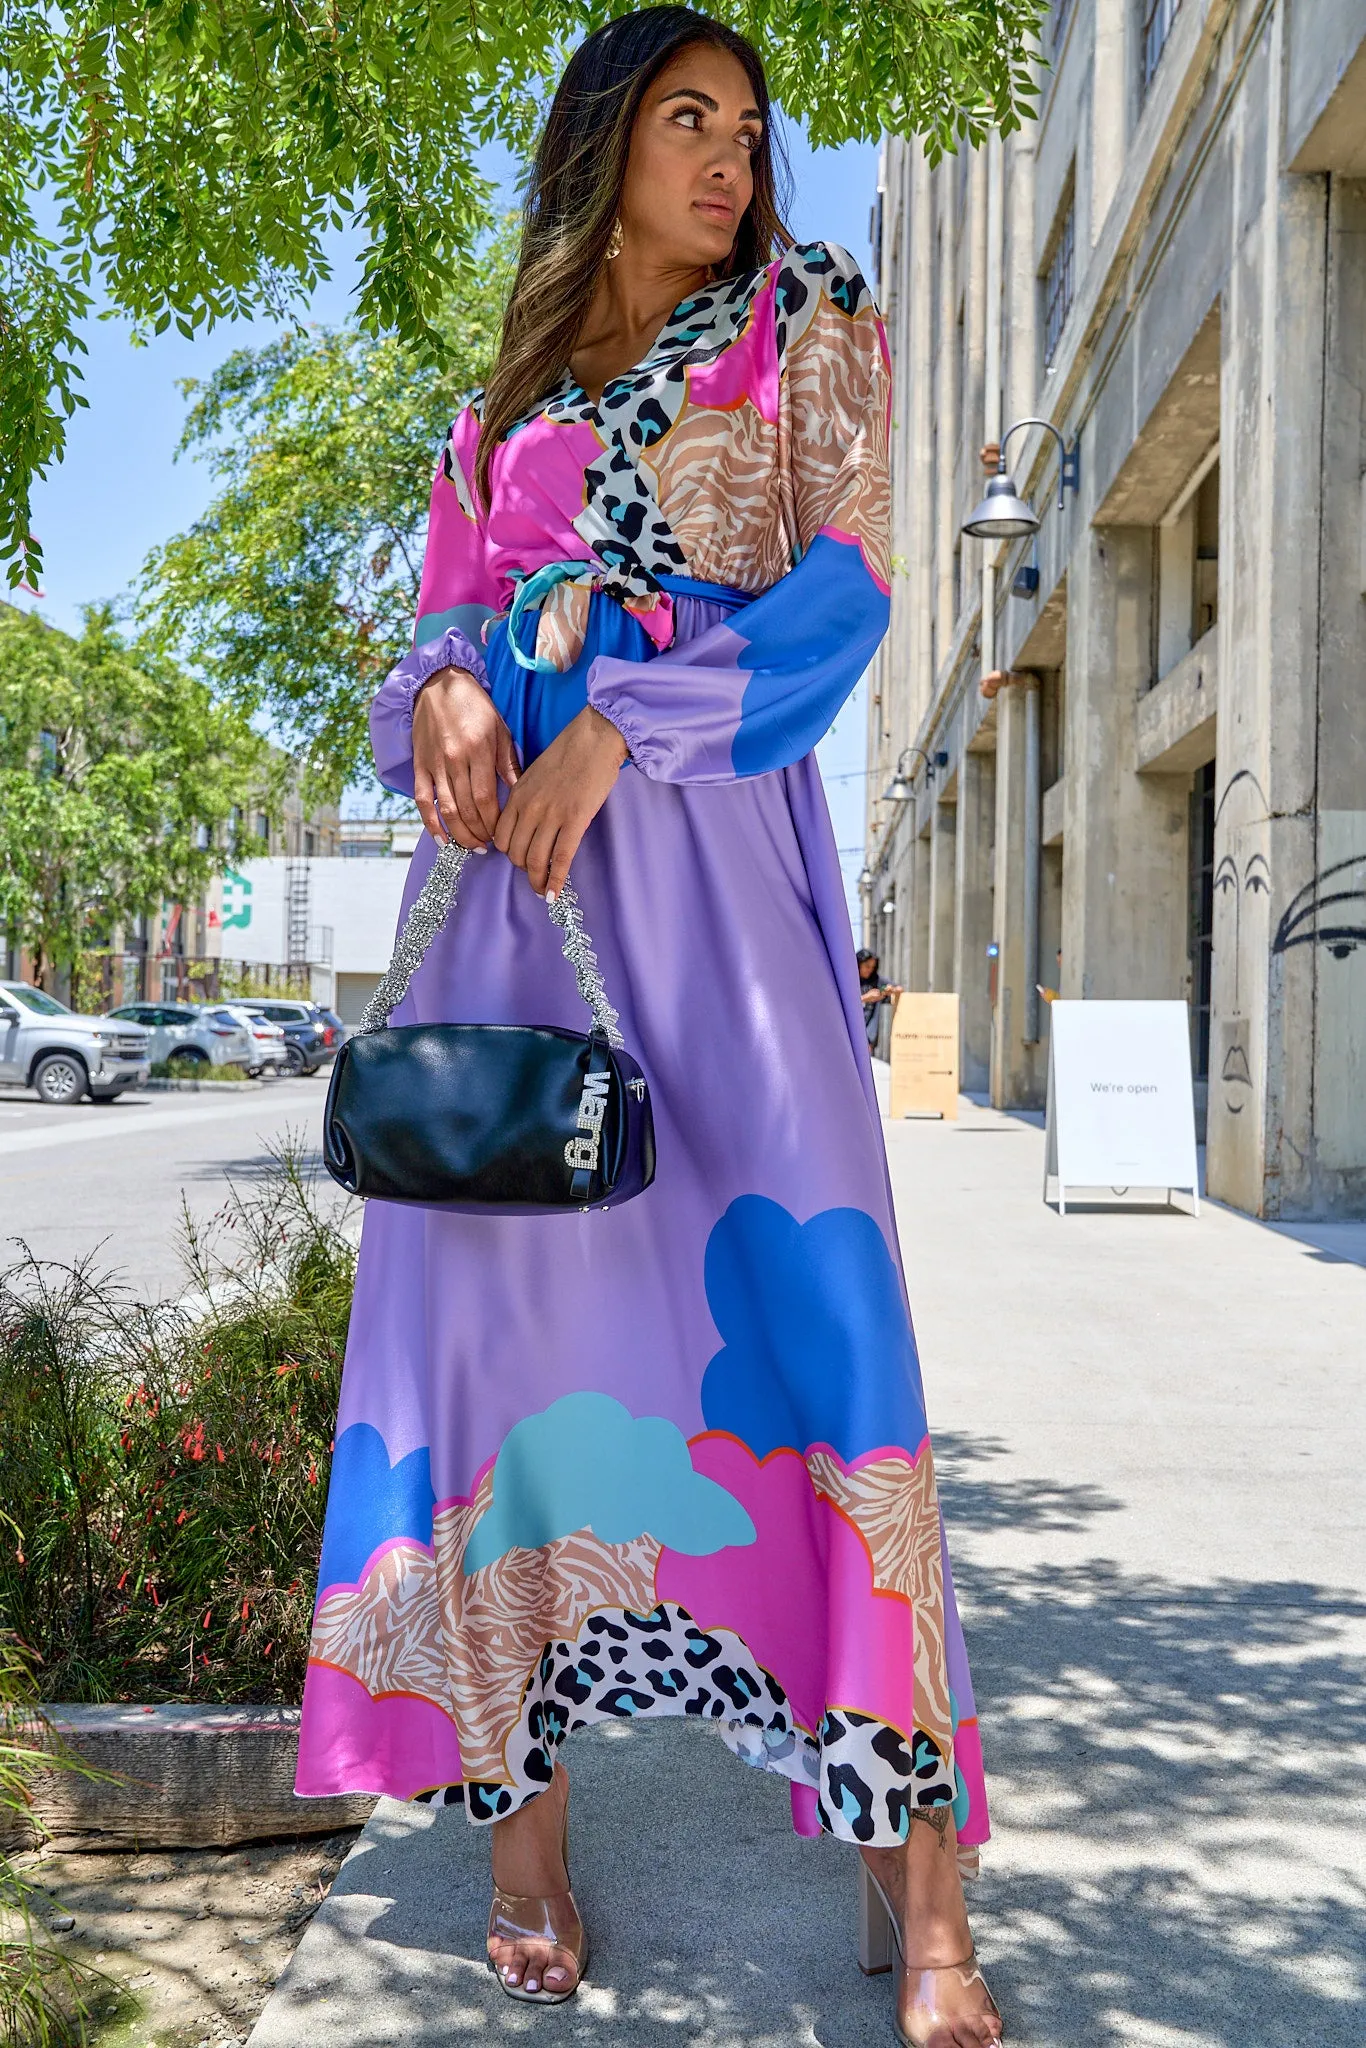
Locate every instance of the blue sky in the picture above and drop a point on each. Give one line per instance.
(120, 491)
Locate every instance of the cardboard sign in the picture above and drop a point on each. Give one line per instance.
(925, 1056)
(1121, 1106)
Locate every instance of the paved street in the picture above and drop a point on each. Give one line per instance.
(112, 1175)
(1150, 1432)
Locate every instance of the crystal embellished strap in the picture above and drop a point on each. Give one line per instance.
(433, 905)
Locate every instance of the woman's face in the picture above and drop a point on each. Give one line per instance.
(689, 176)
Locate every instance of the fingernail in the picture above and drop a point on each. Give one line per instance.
(551, 894)
(481, 849)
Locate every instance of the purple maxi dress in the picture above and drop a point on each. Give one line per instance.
(671, 1457)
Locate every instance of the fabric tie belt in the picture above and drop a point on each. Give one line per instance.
(533, 587)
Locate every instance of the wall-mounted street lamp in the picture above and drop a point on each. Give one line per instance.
(1003, 513)
(901, 788)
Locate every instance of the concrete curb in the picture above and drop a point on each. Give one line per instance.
(161, 1086)
(185, 1777)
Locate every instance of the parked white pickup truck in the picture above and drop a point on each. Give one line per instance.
(62, 1056)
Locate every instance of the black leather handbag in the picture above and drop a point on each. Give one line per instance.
(488, 1118)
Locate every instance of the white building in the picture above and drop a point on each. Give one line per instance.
(335, 915)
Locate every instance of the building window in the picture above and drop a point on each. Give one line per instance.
(1057, 277)
(1158, 16)
(1205, 591)
(263, 827)
(310, 842)
(202, 838)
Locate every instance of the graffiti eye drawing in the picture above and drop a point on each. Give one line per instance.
(1258, 876)
(1226, 874)
(1330, 911)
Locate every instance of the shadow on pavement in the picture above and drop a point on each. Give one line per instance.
(252, 1166)
(1175, 1769)
(1178, 1775)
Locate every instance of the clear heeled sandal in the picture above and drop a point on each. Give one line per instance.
(879, 1941)
(555, 1920)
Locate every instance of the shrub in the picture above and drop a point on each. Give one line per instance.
(45, 1996)
(166, 1465)
(196, 1070)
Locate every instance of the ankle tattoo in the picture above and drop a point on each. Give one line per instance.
(936, 1817)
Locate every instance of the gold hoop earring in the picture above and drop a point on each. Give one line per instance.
(615, 242)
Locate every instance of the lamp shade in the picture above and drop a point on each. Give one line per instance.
(898, 790)
(1002, 514)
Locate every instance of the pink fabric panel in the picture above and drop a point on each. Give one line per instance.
(350, 1742)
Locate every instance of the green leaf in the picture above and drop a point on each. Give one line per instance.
(197, 155)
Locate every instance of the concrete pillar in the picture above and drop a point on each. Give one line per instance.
(1020, 295)
(919, 524)
(972, 917)
(1019, 1075)
(1287, 1099)
(1107, 140)
(1125, 878)
(919, 976)
(943, 849)
(945, 410)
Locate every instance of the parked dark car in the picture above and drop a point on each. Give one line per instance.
(312, 1034)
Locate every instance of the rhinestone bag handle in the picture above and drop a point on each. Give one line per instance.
(434, 903)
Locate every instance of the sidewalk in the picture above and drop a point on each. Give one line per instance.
(1150, 1436)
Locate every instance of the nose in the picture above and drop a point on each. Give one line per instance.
(726, 168)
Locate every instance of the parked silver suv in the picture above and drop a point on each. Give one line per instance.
(193, 1035)
(62, 1055)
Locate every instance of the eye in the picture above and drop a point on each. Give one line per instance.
(750, 140)
(1225, 879)
(691, 115)
(1256, 881)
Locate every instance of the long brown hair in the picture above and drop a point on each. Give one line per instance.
(575, 190)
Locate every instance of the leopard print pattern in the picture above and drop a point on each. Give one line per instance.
(621, 520)
(625, 1666)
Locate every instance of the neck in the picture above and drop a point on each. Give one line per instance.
(635, 295)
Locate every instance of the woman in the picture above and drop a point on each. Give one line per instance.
(670, 1457)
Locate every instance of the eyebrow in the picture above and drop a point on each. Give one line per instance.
(690, 92)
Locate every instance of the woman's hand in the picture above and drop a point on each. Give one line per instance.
(461, 751)
(557, 799)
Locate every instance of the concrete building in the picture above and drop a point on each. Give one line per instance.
(1137, 740)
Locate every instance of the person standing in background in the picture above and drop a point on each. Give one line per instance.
(876, 993)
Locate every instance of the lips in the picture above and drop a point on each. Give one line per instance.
(717, 210)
